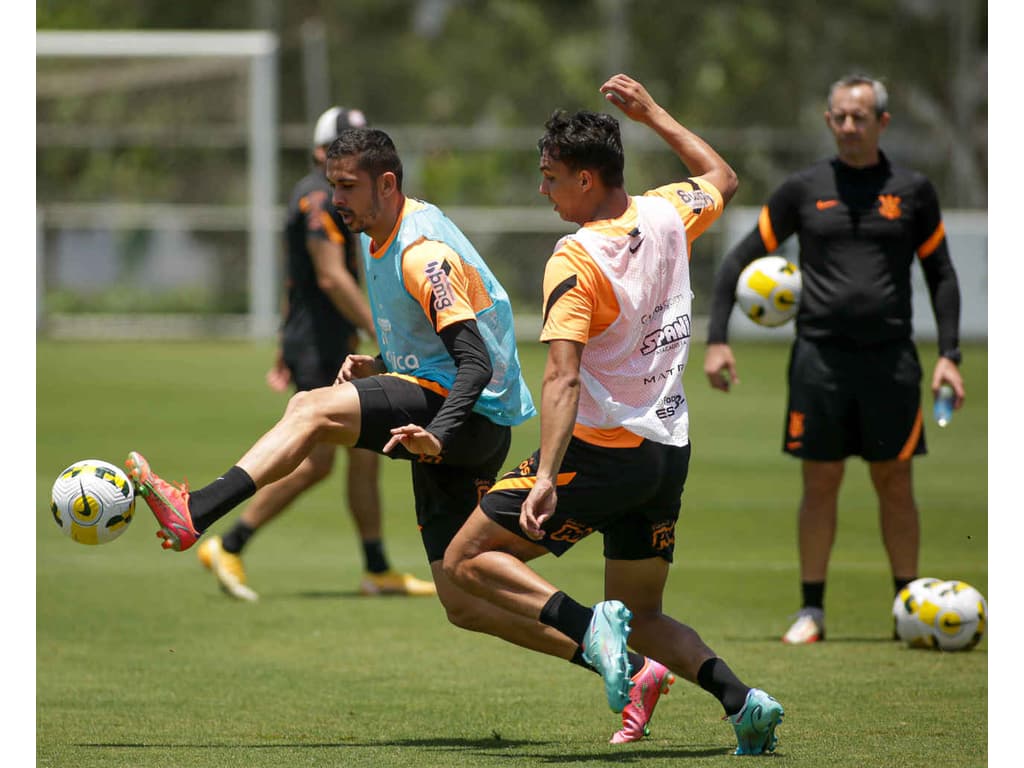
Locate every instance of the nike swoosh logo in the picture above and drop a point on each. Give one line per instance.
(636, 247)
(826, 204)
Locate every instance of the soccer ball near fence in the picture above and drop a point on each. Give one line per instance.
(768, 291)
(92, 501)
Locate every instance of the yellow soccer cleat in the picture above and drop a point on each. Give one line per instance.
(227, 568)
(394, 583)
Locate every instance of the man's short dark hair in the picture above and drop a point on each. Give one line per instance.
(374, 149)
(585, 140)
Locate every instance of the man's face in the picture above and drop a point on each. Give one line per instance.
(854, 122)
(563, 187)
(354, 193)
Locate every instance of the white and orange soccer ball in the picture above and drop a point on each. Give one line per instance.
(768, 290)
(92, 501)
(948, 615)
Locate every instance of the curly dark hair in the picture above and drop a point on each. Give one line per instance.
(585, 140)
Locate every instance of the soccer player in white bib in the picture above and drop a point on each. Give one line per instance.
(615, 447)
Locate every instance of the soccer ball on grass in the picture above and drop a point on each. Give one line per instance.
(909, 626)
(92, 501)
(768, 290)
(948, 615)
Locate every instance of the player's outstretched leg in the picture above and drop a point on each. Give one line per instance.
(604, 648)
(755, 723)
(649, 684)
(168, 503)
(227, 567)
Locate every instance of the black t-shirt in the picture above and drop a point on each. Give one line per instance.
(313, 322)
(859, 230)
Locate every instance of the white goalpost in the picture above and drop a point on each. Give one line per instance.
(259, 49)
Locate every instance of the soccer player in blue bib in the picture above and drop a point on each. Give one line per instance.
(448, 360)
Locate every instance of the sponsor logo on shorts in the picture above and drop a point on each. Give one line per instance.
(824, 205)
(667, 336)
(663, 535)
(437, 274)
(571, 531)
(483, 485)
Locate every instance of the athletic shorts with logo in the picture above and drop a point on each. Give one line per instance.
(848, 400)
(631, 495)
(446, 488)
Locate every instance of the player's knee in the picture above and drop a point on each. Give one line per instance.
(317, 468)
(303, 412)
(460, 614)
(455, 567)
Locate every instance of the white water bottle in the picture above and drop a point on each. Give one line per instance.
(943, 410)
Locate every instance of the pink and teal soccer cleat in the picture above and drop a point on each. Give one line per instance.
(649, 684)
(168, 503)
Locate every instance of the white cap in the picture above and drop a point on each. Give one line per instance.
(332, 122)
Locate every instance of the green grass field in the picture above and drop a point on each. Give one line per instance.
(141, 661)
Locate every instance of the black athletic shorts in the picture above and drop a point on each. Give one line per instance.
(631, 495)
(846, 400)
(311, 369)
(446, 488)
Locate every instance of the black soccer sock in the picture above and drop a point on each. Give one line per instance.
(373, 556)
(567, 616)
(899, 584)
(716, 678)
(813, 593)
(211, 502)
(234, 541)
(636, 662)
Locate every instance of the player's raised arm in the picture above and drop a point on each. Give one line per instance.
(697, 155)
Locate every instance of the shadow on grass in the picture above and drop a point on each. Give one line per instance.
(832, 640)
(517, 749)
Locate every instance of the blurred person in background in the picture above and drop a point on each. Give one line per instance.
(324, 313)
(854, 372)
(615, 447)
(448, 359)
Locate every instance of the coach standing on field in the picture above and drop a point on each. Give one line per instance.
(854, 373)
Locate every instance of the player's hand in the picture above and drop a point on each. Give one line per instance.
(279, 377)
(720, 367)
(946, 371)
(415, 439)
(538, 507)
(629, 96)
(358, 367)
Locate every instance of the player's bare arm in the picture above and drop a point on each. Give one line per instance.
(696, 154)
(720, 366)
(560, 398)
